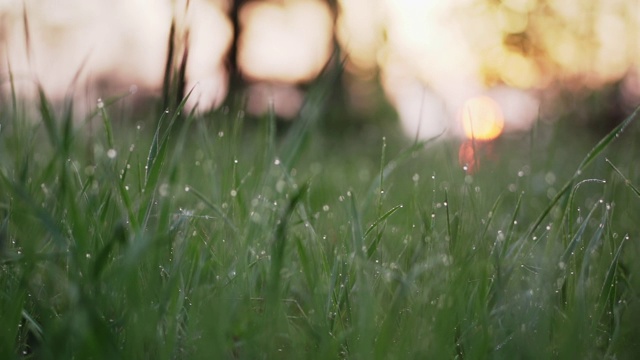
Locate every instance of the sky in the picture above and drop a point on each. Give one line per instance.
(445, 65)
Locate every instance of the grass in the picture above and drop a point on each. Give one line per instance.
(207, 237)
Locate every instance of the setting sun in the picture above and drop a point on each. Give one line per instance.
(482, 118)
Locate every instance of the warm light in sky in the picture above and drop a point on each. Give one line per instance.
(482, 118)
(430, 56)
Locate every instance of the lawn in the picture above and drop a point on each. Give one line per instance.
(222, 237)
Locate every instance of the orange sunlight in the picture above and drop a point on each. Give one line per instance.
(482, 118)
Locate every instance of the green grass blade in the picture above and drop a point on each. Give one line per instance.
(626, 181)
(374, 244)
(593, 153)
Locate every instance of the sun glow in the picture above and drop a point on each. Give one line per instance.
(482, 118)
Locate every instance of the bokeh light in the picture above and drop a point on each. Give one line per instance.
(482, 118)
(429, 57)
(284, 41)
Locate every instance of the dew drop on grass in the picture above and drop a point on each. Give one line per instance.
(415, 178)
(220, 134)
(233, 193)
(325, 208)
(187, 189)
(276, 162)
(100, 103)
(550, 178)
(112, 153)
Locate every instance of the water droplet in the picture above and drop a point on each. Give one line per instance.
(100, 103)
(88, 256)
(187, 189)
(520, 173)
(276, 161)
(550, 178)
(325, 208)
(415, 178)
(233, 193)
(163, 189)
(220, 134)
(112, 153)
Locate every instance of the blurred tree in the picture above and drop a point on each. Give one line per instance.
(236, 83)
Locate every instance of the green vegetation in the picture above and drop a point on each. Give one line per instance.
(209, 237)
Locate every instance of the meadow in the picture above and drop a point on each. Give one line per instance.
(176, 236)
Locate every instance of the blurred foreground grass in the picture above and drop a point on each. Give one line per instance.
(212, 240)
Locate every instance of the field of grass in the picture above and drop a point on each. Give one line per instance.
(217, 237)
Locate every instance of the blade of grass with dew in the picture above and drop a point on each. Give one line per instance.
(572, 196)
(356, 227)
(215, 209)
(585, 266)
(47, 220)
(591, 155)
(627, 182)
(279, 244)
(563, 262)
(609, 284)
(374, 245)
(392, 165)
(490, 216)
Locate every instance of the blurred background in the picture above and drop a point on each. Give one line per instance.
(466, 68)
